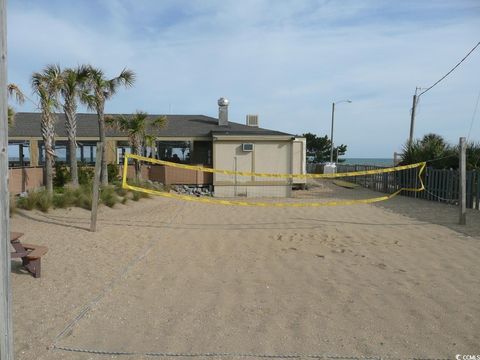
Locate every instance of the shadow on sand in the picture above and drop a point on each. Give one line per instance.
(434, 213)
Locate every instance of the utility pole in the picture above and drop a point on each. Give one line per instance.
(333, 121)
(331, 133)
(6, 333)
(463, 182)
(412, 117)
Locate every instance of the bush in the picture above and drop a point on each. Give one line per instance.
(85, 174)
(64, 199)
(121, 191)
(40, 200)
(58, 201)
(136, 195)
(62, 175)
(112, 170)
(44, 201)
(28, 201)
(108, 196)
(83, 197)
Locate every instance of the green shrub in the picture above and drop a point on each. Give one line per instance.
(84, 202)
(124, 200)
(62, 175)
(136, 195)
(142, 184)
(83, 197)
(58, 201)
(65, 198)
(44, 201)
(144, 195)
(112, 170)
(40, 200)
(108, 196)
(27, 202)
(85, 174)
(120, 191)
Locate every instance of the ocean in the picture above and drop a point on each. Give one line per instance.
(369, 161)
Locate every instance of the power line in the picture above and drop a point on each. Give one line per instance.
(448, 73)
(473, 116)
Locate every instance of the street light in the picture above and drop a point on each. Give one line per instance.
(333, 121)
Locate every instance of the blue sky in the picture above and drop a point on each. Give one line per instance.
(283, 60)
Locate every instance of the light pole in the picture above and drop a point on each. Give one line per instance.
(333, 122)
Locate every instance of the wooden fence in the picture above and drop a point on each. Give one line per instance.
(440, 185)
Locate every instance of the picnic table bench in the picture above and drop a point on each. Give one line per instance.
(31, 255)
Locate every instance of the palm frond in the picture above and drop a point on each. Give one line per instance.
(126, 78)
(53, 75)
(37, 81)
(14, 90)
(160, 122)
(88, 99)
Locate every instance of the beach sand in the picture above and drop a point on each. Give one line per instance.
(397, 278)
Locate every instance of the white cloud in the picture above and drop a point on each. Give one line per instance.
(286, 61)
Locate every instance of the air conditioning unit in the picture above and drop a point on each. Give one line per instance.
(247, 147)
(252, 120)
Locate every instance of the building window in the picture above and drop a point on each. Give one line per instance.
(123, 148)
(18, 154)
(175, 151)
(86, 152)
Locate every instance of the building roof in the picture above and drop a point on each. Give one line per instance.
(28, 125)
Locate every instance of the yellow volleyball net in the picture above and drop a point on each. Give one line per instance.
(239, 187)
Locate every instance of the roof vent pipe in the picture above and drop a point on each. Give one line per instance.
(223, 111)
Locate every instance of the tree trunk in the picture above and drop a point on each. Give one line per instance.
(153, 148)
(48, 135)
(138, 171)
(73, 162)
(101, 130)
(49, 172)
(71, 126)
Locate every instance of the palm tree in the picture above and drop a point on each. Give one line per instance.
(73, 88)
(14, 91)
(101, 89)
(430, 147)
(138, 128)
(46, 85)
(150, 141)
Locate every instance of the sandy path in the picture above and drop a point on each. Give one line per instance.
(350, 281)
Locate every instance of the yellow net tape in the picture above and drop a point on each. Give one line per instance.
(209, 200)
(243, 173)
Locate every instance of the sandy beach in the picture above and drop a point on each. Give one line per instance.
(394, 279)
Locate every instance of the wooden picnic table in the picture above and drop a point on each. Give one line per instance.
(31, 255)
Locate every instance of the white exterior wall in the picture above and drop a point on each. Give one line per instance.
(268, 156)
(299, 159)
